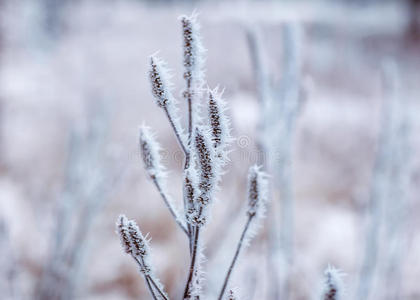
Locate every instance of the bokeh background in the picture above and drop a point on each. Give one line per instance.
(74, 90)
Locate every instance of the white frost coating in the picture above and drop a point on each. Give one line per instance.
(207, 172)
(333, 284)
(149, 149)
(220, 126)
(197, 282)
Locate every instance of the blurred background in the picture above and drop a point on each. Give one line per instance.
(343, 162)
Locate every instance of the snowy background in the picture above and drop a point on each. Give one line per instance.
(74, 90)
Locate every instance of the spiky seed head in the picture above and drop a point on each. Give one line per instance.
(139, 246)
(189, 51)
(219, 123)
(149, 149)
(137, 239)
(205, 157)
(257, 191)
(333, 286)
(122, 230)
(214, 117)
(193, 50)
(159, 81)
(190, 194)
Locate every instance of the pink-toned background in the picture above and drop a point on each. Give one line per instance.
(55, 80)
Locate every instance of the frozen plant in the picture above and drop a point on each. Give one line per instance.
(137, 245)
(205, 146)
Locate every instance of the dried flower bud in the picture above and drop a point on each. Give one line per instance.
(193, 50)
(257, 192)
(139, 246)
(190, 187)
(122, 230)
(159, 81)
(219, 123)
(205, 160)
(149, 149)
(333, 286)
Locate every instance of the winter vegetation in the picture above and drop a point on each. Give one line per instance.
(264, 143)
(205, 147)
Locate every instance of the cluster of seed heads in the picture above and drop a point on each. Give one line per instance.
(133, 242)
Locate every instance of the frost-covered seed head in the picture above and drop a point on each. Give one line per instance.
(219, 123)
(192, 45)
(333, 286)
(190, 194)
(257, 191)
(149, 149)
(187, 31)
(205, 164)
(160, 88)
(214, 116)
(137, 240)
(122, 230)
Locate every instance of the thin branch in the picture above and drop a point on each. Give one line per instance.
(146, 277)
(176, 131)
(190, 122)
(187, 157)
(187, 292)
(235, 257)
(170, 206)
(157, 288)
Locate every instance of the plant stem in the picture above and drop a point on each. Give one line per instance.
(235, 257)
(157, 288)
(187, 292)
(170, 207)
(176, 131)
(147, 278)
